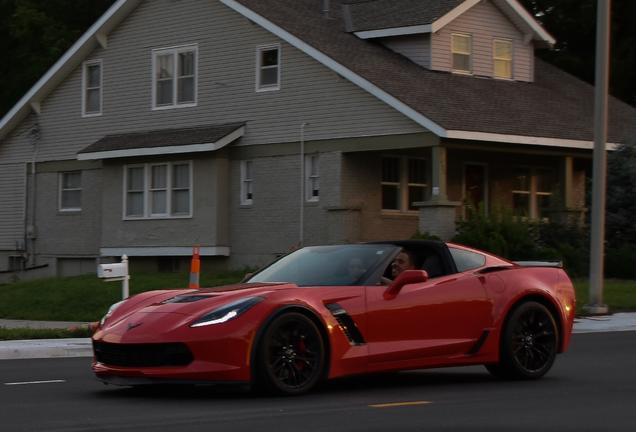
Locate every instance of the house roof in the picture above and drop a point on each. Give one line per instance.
(382, 18)
(168, 141)
(555, 110)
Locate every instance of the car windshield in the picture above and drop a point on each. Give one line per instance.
(325, 265)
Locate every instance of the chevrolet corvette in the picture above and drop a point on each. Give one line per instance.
(329, 311)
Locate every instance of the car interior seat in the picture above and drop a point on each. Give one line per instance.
(433, 266)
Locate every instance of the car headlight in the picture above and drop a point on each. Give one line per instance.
(227, 312)
(110, 312)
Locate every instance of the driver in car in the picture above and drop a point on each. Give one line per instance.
(405, 260)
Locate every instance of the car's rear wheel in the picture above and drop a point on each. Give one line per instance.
(291, 355)
(529, 343)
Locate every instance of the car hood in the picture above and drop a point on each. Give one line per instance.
(193, 301)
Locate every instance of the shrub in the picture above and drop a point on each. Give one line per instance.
(499, 232)
(620, 264)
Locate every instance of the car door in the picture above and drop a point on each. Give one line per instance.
(441, 317)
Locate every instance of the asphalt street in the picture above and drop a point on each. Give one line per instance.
(592, 387)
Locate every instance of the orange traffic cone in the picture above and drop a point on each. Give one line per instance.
(195, 268)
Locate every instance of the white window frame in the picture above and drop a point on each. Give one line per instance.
(85, 88)
(533, 185)
(510, 60)
(247, 182)
(403, 184)
(62, 189)
(469, 53)
(259, 56)
(312, 178)
(175, 51)
(146, 190)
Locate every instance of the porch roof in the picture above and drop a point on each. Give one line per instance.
(169, 141)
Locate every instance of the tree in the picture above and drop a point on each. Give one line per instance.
(573, 24)
(620, 199)
(34, 35)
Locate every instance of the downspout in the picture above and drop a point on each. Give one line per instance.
(31, 234)
(302, 183)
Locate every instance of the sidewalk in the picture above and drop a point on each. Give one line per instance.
(56, 348)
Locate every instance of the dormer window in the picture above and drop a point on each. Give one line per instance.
(461, 52)
(502, 51)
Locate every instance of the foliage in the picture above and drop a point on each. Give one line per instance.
(86, 298)
(620, 199)
(34, 35)
(424, 236)
(499, 232)
(620, 264)
(573, 25)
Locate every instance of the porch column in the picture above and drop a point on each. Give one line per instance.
(566, 181)
(437, 215)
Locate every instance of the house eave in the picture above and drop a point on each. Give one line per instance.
(527, 140)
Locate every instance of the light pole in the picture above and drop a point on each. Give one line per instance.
(597, 235)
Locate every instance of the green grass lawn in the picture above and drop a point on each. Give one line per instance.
(618, 295)
(87, 298)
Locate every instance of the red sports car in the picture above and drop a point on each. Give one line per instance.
(328, 311)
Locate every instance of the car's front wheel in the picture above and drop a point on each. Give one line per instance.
(529, 343)
(291, 355)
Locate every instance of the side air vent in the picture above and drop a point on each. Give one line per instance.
(346, 324)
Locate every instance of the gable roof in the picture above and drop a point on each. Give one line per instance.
(555, 110)
(382, 18)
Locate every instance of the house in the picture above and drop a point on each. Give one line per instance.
(248, 127)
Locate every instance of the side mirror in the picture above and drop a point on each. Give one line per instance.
(406, 278)
(247, 275)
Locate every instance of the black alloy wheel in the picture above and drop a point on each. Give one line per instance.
(292, 355)
(529, 344)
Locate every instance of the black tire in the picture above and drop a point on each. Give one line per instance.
(529, 343)
(291, 355)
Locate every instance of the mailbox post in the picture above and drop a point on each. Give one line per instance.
(116, 272)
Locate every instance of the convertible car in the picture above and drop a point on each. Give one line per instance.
(329, 311)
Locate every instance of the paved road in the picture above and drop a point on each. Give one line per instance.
(592, 387)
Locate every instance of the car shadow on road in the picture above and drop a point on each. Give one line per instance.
(380, 381)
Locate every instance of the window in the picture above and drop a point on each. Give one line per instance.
(158, 190)
(71, 191)
(532, 190)
(403, 182)
(92, 89)
(174, 77)
(502, 59)
(461, 50)
(466, 260)
(247, 178)
(312, 181)
(268, 68)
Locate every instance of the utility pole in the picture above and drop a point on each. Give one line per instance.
(597, 236)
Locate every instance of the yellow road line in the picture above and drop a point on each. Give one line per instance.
(400, 404)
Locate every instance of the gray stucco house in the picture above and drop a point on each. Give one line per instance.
(248, 127)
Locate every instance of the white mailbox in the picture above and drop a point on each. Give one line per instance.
(108, 271)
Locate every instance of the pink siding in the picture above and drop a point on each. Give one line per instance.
(484, 22)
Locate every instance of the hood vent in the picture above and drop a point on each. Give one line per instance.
(187, 298)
